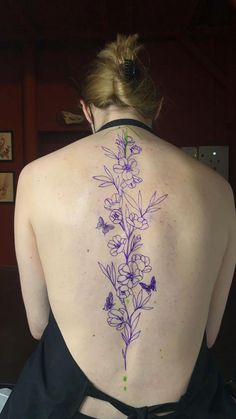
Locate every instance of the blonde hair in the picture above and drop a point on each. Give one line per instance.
(118, 77)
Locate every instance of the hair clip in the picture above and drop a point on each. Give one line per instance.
(130, 70)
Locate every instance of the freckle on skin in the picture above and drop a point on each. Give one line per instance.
(87, 250)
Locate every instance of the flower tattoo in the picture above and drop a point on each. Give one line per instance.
(130, 291)
(116, 245)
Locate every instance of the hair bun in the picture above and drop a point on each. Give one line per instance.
(118, 77)
(130, 70)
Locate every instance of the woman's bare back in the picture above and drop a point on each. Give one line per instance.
(185, 242)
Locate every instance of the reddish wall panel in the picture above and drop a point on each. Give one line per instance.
(188, 116)
(10, 119)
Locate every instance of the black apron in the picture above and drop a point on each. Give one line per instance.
(52, 386)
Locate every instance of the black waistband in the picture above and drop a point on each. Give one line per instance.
(126, 121)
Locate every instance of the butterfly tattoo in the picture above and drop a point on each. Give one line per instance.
(151, 287)
(109, 302)
(104, 226)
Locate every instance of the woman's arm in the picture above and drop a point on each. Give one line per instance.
(33, 285)
(226, 273)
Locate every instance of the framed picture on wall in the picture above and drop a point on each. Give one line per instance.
(6, 145)
(7, 190)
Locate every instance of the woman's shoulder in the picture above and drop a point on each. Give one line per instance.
(50, 162)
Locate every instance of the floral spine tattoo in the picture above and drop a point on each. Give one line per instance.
(130, 294)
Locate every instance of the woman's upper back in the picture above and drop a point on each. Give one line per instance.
(110, 253)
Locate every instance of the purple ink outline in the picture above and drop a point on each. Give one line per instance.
(130, 216)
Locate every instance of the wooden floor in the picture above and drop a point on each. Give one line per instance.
(16, 343)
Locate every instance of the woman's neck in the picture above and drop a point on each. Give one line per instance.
(102, 117)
